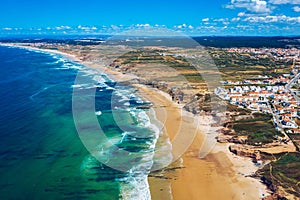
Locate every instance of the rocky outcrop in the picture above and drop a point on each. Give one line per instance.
(242, 150)
(227, 135)
(276, 195)
(232, 139)
(224, 138)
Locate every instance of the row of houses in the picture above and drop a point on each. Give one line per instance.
(265, 80)
(273, 99)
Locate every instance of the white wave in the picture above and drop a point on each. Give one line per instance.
(132, 96)
(79, 85)
(163, 153)
(99, 79)
(41, 91)
(124, 134)
(91, 86)
(85, 86)
(110, 88)
(70, 66)
(142, 117)
(124, 98)
(98, 113)
(135, 188)
(89, 72)
(139, 101)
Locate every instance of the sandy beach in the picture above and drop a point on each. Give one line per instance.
(220, 175)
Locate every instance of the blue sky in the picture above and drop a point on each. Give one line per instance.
(192, 17)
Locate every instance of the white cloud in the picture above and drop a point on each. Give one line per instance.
(62, 28)
(143, 25)
(241, 14)
(279, 2)
(235, 19)
(114, 27)
(7, 29)
(183, 26)
(180, 26)
(260, 7)
(296, 8)
(82, 28)
(207, 27)
(205, 20)
(221, 20)
(255, 6)
(242, 26)
(273, 19)
(224, 21)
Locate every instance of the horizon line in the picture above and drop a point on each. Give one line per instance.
(145, 36)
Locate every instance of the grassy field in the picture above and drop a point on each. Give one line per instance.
(239, 66)
(259, 128)
(284, 172)
(232, 66)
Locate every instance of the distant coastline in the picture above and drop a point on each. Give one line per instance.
(206, 41)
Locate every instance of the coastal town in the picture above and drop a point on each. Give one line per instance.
(277, 96)
(267, 95)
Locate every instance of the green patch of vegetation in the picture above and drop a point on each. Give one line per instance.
(180, 66)
(233, 108)
(194, 78)
(153, 56)
(247, 65)
(257, 117)
(263, 137)
(284, 172)
(288, 159)
(258, 127)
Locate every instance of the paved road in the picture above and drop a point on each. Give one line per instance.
(288, 87)
(275, 118)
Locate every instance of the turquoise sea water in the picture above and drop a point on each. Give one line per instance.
(41, 155)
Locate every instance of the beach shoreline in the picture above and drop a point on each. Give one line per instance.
(220, 175)
(217, 176)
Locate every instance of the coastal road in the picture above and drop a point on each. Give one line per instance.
(275, 118)
(288, 87)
